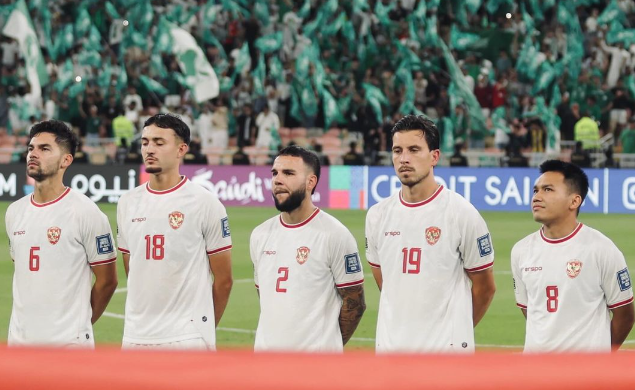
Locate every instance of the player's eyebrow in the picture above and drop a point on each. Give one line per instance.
(543, 186)
(39, 145)
(155, 139)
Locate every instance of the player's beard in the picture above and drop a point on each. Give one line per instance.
(153, 170)
(39, 174)
(413, 180)
(294, 200)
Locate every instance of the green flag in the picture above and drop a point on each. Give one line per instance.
(332, 112)
(375, 98)
(20, 28)
(261, 11)
(140, 17)
(157, 67)
(122, 82)
(242, 59)
(104, 76)
(547, 74)
(464, 92)
(276, 70)
(362, 5)
(162, 37)
(473, 5)
(83, 23)
(305, 10)
(153, 85)
(76, 88)
(309, 102)
(199, 74)
(269, 43)
(258, 76)
(111, 10)
(382, 11)
(461, 40)
(65, 76)
(90, 58)
(93, 41)
(611, 12)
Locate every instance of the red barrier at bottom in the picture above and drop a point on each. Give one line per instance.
(115, 370)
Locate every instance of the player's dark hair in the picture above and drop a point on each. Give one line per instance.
(574, 176)
(421, 123)
(170, 121)
(64, 136)
(310, 159)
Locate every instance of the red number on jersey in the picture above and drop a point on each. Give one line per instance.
(155, 247)
(34, 260)
(411, 260)
(285, 275)
(552, 299)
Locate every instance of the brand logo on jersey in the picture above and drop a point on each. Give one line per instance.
(224, 224)
(142, 219)
(303, 254)
(269, 253)
(104, 244)
(53, 234)
(20, 233)
(392, 234)
(484, 245)
(176, 219)
(352, 263)
(433, 234)
(624, 279)
(533, 269)
(573, 268)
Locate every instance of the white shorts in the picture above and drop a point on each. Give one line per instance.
(197, 344)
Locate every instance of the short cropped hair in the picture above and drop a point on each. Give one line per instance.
(574, 176)
(419, 122)
(170, 121)
(64, 136)
(310, 159)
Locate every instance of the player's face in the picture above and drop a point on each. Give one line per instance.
(553, 199)
(292, 182)
(161, 149)
(45, 157)
(412, 158)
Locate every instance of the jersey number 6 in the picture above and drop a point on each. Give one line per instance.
(411, 260)
(34, 259)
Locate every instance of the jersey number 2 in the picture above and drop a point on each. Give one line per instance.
(155, 247)
(284, 272)
(411, 260)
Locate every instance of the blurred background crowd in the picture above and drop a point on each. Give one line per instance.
(510, 78)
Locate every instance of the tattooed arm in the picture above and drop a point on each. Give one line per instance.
(353, 306)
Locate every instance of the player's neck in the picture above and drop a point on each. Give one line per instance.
(165, 181)
(48, 190)
(559, 229)
(421, 191)
(300, 214)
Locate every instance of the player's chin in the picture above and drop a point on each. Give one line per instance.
(153, 169)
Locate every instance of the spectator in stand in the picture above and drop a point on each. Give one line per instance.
(94, 127)
(220, 125)
(246, 127)
(580, 157)
(458, 159)
(267, 122)
(352, 157)
(499, 92)
(587, 131)
(627, 137)
(484, 92)
(204, 127)
(240, 157)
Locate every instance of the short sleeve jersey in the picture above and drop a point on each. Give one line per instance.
(169, 235)
(298, 269)
(424, 251)
(53, 246)
(568, 286)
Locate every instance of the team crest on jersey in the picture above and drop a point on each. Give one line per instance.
(573, 268)
(53, 234)
(433, 234)
(176, 219)
(303, 254)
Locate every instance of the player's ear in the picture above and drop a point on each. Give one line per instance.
(436, 154)
(183, 148)
(311, 182)
(67, 160)
(576, 201)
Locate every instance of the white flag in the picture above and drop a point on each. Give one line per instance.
(199, 74)
(20, 28)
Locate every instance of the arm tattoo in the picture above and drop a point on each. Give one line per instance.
(353, 306)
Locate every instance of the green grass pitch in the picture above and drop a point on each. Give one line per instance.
(502, 327)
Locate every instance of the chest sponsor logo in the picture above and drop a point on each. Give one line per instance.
(142, 219)
(176, 219)
(53, 234)
(104, 244)
(484, 245)
(303, 254)
(573, 268)
(19, 233)
(433, 234)
(268, 253)
(533, 269)
(624, 279)
(391, 234)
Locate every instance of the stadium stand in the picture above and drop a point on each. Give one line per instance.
(491, 73)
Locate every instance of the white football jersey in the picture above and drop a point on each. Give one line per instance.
(169, 235)
(424, 251)
(53, 246)
(297, 270)
(568, 287)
